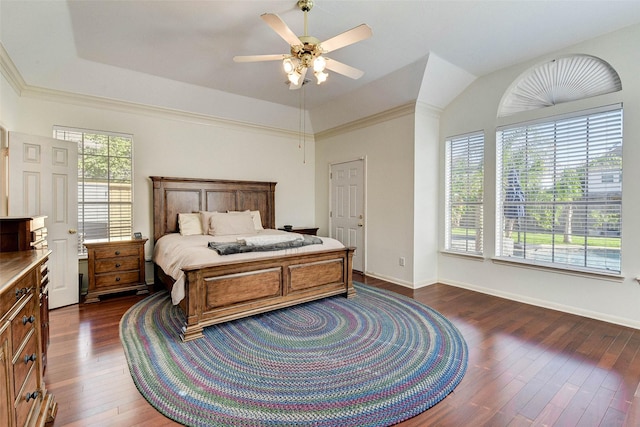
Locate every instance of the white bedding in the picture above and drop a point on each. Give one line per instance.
(173, 252)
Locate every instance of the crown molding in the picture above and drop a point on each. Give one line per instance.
(393, 113)
(91, 101)
(428, 109)
(14, 78)
(10, 72)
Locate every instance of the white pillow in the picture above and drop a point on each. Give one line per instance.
(255, 216)
(189, 224)
(205, 218)
(222, 224)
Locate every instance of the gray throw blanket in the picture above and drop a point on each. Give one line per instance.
(238, 248)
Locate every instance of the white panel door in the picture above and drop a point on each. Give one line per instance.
(346, 220)
(43, 180)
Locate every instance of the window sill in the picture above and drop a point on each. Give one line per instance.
(614, 277)
(474, 257)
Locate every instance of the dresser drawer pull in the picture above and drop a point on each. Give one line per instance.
(22, 291)
(117, 252)
(117, 265)
(117, 279)
(30, 396)
(29, 358)
(29, 319)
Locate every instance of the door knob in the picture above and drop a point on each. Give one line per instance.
(72, 231)
(360, 224)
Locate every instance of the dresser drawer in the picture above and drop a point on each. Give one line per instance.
(27, 396)
(27, 358)
(20, 288)
(117, 279)
(111, 265)
(23, 395)
(118, 251)
(23, 322)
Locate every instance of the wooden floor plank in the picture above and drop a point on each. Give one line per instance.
(527, 366)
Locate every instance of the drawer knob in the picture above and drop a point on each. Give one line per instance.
(30, 396)
(117, 265)
(117, 252)
(22, 291)
(29, 358)
(29, 319)
(117, 279)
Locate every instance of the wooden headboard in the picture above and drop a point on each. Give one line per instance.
(172, 196)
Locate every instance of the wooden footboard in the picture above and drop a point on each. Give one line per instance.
(226, 292)
(216, 294)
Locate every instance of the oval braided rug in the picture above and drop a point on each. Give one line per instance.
(373, 360)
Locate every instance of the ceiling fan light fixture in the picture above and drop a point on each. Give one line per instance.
(294, 77)
(321, 76)
(288, 65)
(319, 64)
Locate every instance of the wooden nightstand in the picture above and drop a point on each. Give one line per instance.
(312, 231)
(115, 267)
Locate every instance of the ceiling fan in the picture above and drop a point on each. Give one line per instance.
(307, 51)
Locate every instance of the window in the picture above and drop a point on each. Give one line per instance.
(464, 193)
(559, 192)
(105, 202)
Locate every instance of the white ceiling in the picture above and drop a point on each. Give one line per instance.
(52, 42)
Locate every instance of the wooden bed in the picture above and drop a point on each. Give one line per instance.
(219, 293)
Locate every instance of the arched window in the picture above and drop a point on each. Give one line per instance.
(562, 79)
(559, 178)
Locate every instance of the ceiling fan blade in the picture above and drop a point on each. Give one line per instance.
(258, 58)
(354, 35)
(278, 25)
(344, 69)
(300, 82)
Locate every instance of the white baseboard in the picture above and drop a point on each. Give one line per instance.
(548, 304)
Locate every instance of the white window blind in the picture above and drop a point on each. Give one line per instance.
(464, 193)
(105, 196)
(559, 191)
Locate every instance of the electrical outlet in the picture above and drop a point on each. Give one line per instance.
(401, 261)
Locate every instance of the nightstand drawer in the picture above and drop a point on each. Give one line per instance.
(115, 267)
(117, 279)
(111, 265)
(113, 252)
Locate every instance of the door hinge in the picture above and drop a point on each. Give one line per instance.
(330, 175)
(330, 214)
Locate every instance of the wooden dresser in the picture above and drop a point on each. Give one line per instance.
(24, 400)
(115, 267)
(22, 233)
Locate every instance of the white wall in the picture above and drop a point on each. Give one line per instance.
(8, 108)
(184, 145)
(612, 300)
(425, 164)
(387, 143)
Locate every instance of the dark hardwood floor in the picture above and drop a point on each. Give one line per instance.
(528, 366)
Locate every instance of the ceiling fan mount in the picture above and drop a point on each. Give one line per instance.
(307, 51)
(305, 5)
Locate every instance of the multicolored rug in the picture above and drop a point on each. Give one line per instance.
(373, 360)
